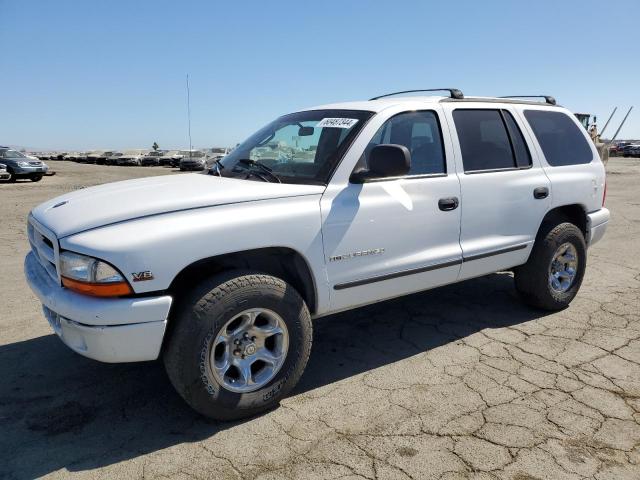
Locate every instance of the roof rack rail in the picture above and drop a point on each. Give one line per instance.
(547, 98)
(453, 92)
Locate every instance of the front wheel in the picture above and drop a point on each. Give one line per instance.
(36, 178)
(239, 344)
(553, 274)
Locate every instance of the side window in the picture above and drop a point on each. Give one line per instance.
(483, 139)
(560, 138)
(520, 149)
(420, 133)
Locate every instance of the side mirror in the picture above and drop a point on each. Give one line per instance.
(305, 131)
(387, 160)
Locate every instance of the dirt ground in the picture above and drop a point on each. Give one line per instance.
(459, 382)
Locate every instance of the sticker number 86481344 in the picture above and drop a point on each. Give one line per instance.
(337, 122)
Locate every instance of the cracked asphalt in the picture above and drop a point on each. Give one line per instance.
(459, 382)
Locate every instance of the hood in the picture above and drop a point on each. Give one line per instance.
(120, 201)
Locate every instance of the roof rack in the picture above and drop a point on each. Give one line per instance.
(547, 98)
(453, 92)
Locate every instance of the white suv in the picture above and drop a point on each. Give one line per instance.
(321, 211)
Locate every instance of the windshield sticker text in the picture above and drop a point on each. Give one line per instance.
(337, 122)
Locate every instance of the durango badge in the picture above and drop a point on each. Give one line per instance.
(142, 276)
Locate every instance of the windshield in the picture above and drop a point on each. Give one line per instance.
(303, 147)
(11, 154)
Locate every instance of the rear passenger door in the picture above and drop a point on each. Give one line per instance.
(505, 192)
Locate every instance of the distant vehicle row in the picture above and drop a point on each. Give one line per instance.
(183, 159)
(625, 149)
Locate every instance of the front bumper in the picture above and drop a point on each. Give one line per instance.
(106, 329)
(597, 224)
(30, 170)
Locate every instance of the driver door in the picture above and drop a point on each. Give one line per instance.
(393, 236)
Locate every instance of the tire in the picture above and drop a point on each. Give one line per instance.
(12, 177)
(533, 279)
(36, 178)
(203, 316)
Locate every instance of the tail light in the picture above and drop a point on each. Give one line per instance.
(604, 194)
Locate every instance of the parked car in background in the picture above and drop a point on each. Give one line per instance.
(4, 175)
(131, 157)
(634, 151)
(628, 150)
(75, 156)
(218, 152)
(92, 156)
(101, 159)
(152, 158)
(113, 158)
(171, 158)
(616, 149)
(193, 160)
(20, 165)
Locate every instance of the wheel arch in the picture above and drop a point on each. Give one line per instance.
(282, 262)
(574, 213)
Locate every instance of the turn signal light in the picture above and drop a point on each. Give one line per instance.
(115, 289)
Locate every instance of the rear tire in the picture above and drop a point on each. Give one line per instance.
(553, 274)
(195, 350)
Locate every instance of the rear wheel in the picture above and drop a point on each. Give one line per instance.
(240, 343)
(553, 274)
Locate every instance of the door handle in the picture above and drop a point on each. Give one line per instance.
(540, 193)
(447, 204)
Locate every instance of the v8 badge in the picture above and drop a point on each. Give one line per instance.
(142, 276)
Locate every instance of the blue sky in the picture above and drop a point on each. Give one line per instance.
(91, 74)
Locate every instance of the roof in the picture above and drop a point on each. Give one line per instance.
(384, 103)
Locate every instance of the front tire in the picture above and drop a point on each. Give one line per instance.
(553, 274)
(36, 178)
(240, 343)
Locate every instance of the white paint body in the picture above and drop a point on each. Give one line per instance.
(164, 224)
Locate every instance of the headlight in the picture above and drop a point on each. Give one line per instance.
(23, 164)
(91, 276)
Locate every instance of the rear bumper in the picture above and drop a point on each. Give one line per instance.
(106, 329)
(597, 225)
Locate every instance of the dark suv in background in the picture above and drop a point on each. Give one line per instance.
(20, 166)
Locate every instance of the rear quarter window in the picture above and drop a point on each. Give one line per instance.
(561, 140)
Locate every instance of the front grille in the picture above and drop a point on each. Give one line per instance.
(44, 246)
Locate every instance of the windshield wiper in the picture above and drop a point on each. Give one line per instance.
(261, 166)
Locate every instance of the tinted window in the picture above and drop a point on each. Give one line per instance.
(420, 133)
(560, 138)
(483, 140)
(523, 157)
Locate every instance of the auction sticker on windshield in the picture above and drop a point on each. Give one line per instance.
(337, 122)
